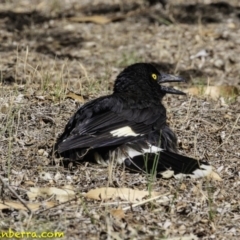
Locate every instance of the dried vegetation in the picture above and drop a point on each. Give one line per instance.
(50, 52)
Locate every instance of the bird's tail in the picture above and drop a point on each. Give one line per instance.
(167, 164)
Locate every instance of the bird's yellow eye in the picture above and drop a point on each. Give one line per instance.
(154, 76)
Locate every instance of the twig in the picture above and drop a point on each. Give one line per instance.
(145, 201)
(6, 185)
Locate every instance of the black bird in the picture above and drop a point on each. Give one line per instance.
(130, 126)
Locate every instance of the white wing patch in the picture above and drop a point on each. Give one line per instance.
(129, 152)
(124, 132)
(202, 171)
(167, 174)
(152, 149)
(133, 153)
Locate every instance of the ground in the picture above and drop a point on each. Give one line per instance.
(48, 50)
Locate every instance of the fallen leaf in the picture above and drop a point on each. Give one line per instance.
(200, 54)
(167, 224)
(95, 19)
(40, 97)
(183, 186)
(100, 19)
(75, 96)
(20, 206)
(128, 194)
(117, 213)
(45, 176)
(215, 92)
(63, 194)
(188, 237)
(29, 183)
(232, 25)
(19, 98)
(4, 108)
(214, 176)
(182, 229)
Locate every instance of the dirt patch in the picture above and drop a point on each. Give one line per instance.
(44, 55)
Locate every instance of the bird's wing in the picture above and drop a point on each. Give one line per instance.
(110, 121)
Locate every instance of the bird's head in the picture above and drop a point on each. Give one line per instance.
(146, 77)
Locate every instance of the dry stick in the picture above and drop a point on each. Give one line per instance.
(85, 72)
(25, 63)
(229, 134)
(145, 201)
(59, 204)
(15, 194)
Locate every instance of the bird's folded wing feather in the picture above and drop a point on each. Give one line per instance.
(109, 121)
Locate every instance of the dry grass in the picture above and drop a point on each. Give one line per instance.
(43, 56)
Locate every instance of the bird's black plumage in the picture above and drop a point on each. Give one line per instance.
(131, 123)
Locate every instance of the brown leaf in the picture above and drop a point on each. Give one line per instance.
(214, 176)
(183, 186)
(100, 19)
(117, 213)
(63, 194)
(4, 108)
(75, 96)
(20, 206)
(29, 183)
(95, 19)
(128, 194)
(187, 237)
(215, 92)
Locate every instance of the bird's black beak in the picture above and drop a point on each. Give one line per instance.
(163, 78)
